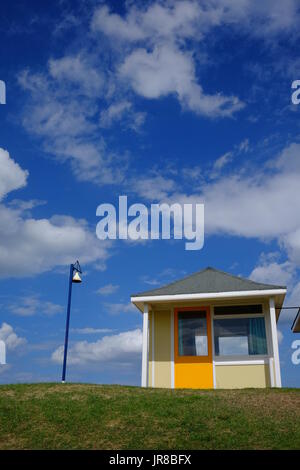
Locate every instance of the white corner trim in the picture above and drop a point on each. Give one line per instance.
(275, 342)
(153, 352)
(172, 350)
(212, 314)
(214, 374)
(271, 370)
(145, 349)
(214, 295)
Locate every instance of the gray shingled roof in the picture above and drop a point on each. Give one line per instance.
(208, 280)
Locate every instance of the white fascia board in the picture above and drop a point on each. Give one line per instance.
(210, 296)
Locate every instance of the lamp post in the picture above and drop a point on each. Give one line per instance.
(75, 269)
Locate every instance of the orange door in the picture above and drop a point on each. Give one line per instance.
(193, 348)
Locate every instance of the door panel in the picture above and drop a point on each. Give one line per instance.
(193, 348)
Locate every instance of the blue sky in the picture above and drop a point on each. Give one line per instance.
(162, 101)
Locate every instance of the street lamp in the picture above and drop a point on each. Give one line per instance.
(75, 270)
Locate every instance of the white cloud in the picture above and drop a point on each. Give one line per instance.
(114, 113)
(153, 187)
(29, 246)
(155, 36)
(167, 70)
(274, 273)
(115, 26)
(91, 331)
(64, 117)
(11, 339)
(123, 347)
(26, 205)
(78, 70)
(244, 146)
(293, 300)
(32, 305)
(108, 289)
(163, 66)
(262, 205)
(222, 161)
(271, 271)
(118, 308)
(152, 52)
(123, 112)
(177, 20)
(11, 174)
(228, 157)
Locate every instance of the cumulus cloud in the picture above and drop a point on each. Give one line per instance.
(154, 37)
(263, 204)
(11, 339)
(163, 66)
(122, 348)
(274, 273)
(29, 246)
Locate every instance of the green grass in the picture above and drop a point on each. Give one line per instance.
(75, 416)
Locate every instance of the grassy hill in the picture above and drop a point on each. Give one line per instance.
(77, 416)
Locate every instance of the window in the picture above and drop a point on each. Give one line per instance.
(192, 334)
(240, 336)
(239, 309)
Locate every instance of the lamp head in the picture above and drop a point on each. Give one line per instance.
(76, 278)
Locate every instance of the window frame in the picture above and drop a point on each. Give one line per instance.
(245, 358)
(199, 359)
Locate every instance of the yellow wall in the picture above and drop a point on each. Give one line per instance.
(242, 376)
(193, 375)
(162, 349)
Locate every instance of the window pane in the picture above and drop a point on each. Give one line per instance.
(238, 309)
(237, 345)
(192, 334)
(240, 336)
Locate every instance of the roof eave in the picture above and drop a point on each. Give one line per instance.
(138, 300)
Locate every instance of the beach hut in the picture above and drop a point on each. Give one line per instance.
(211, 330)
